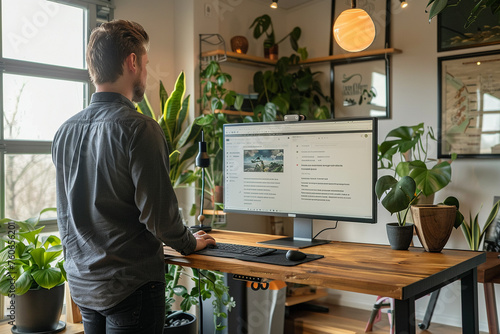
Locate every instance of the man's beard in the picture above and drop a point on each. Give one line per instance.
(139, 89)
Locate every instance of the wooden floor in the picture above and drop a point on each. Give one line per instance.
(346, 320)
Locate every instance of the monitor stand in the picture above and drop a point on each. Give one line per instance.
(302, 236)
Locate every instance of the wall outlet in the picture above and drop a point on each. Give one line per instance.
(208, 9)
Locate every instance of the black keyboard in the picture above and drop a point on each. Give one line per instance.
(224, 248)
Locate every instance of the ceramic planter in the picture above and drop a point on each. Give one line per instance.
(434, 224)
(39, 310)
(399, 236)
(188, 326)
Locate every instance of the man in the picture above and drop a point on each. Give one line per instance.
(115, 201)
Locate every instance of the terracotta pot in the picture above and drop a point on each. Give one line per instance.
(434, 224)
(271, 52)
(239, 44)
(399, 236)
(218, 196)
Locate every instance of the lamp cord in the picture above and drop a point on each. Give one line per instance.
(326, 229)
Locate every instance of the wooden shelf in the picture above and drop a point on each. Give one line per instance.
(261, 61)
(229, 112)
(212, 212)
(294, 300)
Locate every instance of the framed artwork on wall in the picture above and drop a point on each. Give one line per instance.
(453, 35)
(361, 89)
(379, 11)
(469, 105)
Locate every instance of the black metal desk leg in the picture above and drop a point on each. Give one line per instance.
(470, 317)
(405, 316)
(430, 310)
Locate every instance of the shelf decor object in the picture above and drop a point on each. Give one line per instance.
(454, 32)
(239, 44)
(469, 105)
(360, 89)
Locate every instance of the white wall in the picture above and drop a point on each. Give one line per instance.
(413, 100)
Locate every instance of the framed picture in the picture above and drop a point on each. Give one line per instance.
(469, 105)
(379, 11)
(361, 89)
(453, 35)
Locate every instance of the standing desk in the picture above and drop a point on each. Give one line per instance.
(364, 268)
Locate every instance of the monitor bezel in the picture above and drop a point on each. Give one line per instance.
(371, 220)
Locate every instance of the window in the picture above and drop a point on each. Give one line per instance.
(44, 81)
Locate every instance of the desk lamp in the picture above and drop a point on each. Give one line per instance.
(202, 161)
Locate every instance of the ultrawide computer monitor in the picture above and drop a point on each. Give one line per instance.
(306, 170)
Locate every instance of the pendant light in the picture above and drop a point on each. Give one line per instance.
(274, 4)
(354, 29)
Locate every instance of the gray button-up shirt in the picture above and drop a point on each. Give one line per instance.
(115, 203)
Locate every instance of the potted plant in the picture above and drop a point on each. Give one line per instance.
(207, 285)
(471, 229)
(174, 111)
(264, 25)
(32, 275)
(215, 98)
(412, 178)
(282, 91)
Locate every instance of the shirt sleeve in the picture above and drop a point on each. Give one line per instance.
(154, 195)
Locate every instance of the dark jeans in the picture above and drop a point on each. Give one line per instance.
(143, 312)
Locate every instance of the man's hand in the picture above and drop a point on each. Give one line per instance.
(203, 240)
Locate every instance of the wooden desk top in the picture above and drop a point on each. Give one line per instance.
(362, 268)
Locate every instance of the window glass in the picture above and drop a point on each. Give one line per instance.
(30, 185)
(34, 107)
(32, 31)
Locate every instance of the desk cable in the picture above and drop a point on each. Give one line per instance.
(326, 229)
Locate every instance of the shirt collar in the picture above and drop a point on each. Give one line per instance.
(111, 97)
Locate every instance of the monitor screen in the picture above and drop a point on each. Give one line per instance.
(305, 170)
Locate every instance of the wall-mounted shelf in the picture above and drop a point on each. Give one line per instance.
(241, 58)
(229, 112)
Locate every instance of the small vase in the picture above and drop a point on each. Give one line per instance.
(434, 224)
(399, 236)
(239, 44)
(271, 52)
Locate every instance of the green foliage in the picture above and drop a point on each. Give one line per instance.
(29, 260)
(438, 6)
(207, 284)
(471, 229)
(215, 97)
(410, 145)
(282, 91)
(175, 109)
(264, 25)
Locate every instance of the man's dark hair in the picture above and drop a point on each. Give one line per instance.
(110, 44)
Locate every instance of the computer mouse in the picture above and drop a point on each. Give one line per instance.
(295, 255)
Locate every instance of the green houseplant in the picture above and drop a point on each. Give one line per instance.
(215, 98)
(282, 91)
(173, 117)
(471, 229)
(32, 274)
(207, 285)
(264, 25)
(414, 174)
(438, 6)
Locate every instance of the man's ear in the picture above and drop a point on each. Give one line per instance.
(131, 63)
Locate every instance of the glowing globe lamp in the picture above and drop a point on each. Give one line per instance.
(354, 30)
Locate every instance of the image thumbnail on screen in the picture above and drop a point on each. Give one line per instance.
(267, 161)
